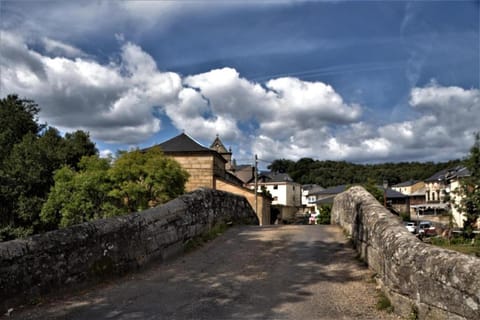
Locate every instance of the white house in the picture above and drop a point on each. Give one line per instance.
(286, 193)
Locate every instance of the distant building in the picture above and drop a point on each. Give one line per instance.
(245, 172)
(286, 194)
(309, 196)
(441, 197)
(409, 187)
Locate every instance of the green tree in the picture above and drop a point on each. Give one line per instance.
(77, 145)
(30, 154)
(79, 196)
(145, 179)
(18, 117)
(281, 166)
(324, 216)
(372, 187)
(97, 189)
(28, 172)
(469, 190)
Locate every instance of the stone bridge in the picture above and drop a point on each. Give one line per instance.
(120, 268)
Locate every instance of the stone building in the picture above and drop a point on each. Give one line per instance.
(208, 169)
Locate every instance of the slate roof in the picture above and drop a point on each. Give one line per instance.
(334, 190)
(315, 190)
(406, 183)
(391, 194)
(440, 175)
(184, 144)
(272, 177)
(451, 173)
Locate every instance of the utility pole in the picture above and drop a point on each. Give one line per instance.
(256, 184)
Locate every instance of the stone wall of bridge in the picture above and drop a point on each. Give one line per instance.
(420, 279)
(89, 252)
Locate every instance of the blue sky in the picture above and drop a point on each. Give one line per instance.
(362, 81)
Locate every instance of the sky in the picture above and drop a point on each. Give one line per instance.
(360, 81)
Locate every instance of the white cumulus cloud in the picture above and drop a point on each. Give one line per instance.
(123, 102)
(115, 102)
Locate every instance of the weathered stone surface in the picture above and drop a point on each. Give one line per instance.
(437, 283)
(87, 252)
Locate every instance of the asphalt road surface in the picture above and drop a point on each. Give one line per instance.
(275, 272)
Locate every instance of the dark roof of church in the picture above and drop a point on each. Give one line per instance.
(183, 143)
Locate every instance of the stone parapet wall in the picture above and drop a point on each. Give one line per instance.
(420, 279)
(89, 252)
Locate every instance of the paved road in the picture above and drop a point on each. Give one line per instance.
(277, 272)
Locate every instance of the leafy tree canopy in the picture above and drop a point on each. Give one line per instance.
(332, 173)
(31, 153)
(135, 181)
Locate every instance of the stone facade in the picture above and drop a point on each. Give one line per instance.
(202, 170)
(419, 278)
(86, 253)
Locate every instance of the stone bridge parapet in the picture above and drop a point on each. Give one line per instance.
(92, 251)
(421, 280)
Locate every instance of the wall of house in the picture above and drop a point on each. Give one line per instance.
(218, 167)
(200, 168)
(410, 189)
(287, 213)
(89, 252)
(417, 277)
(458, 217)
(434, 192)
(287, 194)
(263, 204)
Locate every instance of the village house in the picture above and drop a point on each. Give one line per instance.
(286, 194)
(309, 198)
(441, 197)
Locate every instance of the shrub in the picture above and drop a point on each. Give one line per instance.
(325, 214)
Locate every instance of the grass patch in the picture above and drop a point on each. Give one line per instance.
(209, 235)
(383, 303)
(459, 244)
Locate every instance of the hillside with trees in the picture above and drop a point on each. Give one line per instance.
(333, 173)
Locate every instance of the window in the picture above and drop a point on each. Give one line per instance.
(275, 187)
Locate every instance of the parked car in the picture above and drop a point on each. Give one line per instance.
(426, 228)
(411, 226)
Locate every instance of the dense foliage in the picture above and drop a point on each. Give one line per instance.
(30, 154)
(48, 180)
(135, 181)
(333, 173)
(324, 214)
(469, 189)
